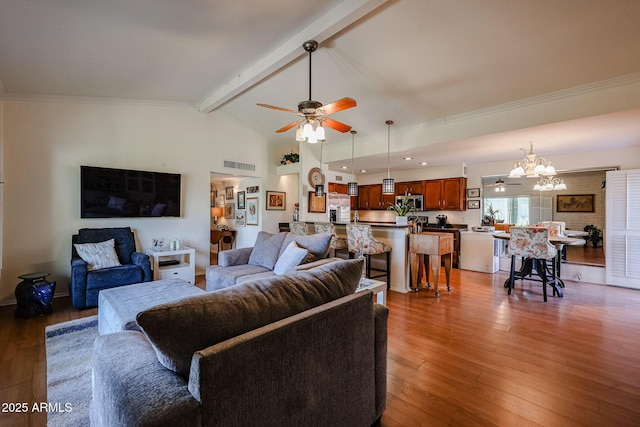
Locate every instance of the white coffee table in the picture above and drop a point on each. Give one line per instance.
(378, 287)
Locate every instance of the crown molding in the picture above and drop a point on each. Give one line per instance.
(21, 97)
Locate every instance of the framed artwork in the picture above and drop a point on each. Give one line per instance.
(276, 200)
(229, 210)
(241, 204)
(214, 196)
(220, 200)
(317, 204)
(228, 193)
(240, 219)
(473, 192)
(253, 189)
(252, 211)
(473, 204)
(575, 203)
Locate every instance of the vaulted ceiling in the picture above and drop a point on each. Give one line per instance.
(464, 80)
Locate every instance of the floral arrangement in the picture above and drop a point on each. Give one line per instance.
(291, 157)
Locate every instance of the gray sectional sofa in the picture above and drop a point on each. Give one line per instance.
(292, 349)
(267, 257)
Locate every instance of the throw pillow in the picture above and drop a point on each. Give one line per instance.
(178, 329)
(316, 244)
(98, 255)
(267, 249)
(291, 257)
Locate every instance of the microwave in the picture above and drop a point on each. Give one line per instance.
(415, 200)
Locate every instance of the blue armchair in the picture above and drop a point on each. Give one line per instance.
(85, 285)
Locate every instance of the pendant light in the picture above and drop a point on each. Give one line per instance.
(352, 187)
(388, 185)
(320, 187)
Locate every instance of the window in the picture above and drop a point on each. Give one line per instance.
(513, 210)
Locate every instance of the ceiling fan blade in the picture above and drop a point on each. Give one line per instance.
(334, 107)
(335, 125)
(286, 110)
(287, 127)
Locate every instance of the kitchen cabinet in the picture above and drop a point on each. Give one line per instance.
(410, 187)
(335, 187)
(445, 194)
(371, 197)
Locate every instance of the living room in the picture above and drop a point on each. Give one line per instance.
(47, 136)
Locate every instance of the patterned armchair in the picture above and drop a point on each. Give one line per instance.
(532, 244)
(299, 228)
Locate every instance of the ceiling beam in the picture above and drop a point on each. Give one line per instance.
(335, 20)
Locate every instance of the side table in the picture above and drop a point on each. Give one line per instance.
(378, 287)
(34, 295)
(172, 264)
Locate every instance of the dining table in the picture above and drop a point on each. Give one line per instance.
(559, 242)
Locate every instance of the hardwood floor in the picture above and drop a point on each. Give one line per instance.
(473, 357)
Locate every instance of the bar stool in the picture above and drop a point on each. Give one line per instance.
(337, 243)
(532, 244)
(360, 240)
(299, 228)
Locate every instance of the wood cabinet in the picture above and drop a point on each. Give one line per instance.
(445, 194)
(371, 197)
(335, 187)
(410, 187)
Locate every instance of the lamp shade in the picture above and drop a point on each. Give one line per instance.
(216, 212)
(352, 188)
(388, 186)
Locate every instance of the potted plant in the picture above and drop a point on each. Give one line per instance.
(489, 217)
(402, 208)
(291, 157)
(594, 236)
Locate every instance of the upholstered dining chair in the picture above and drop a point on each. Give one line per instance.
(532, 245)
(360, 240)
(299, 228)
(337, 243)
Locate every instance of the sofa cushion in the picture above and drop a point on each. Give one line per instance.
(219, 277)
(316, 244)
(177, 330)
(266, 250)
(290, 257)
(98, 255)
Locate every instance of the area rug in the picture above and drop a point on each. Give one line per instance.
(69, 354)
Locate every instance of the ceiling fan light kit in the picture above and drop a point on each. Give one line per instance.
(311, 125)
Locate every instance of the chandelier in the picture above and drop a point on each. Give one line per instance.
(532, 166)
(548, 184)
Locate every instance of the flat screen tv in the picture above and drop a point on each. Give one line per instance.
(121, 193)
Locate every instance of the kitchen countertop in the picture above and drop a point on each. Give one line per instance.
(375, 224)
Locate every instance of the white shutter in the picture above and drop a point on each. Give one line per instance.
(622, 242)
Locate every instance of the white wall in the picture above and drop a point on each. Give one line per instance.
(45, 142)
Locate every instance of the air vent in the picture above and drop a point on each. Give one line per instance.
(238, 165)
(338, 178)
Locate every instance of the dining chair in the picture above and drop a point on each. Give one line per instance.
(360, 241)
(533, 246)
(299, 228)
(337, 243)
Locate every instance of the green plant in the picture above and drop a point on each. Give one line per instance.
(401, 208)
(489, 214)
(291, 157)
(595, 235)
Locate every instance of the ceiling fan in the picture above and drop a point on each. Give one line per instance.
(313, 113)
(500, 185)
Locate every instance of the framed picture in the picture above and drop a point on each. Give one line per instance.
(253, 189)
(276, 200)
(240, 219)
(252, 211)
(575, 203)
(228, 193)
(241, 204)
(220, 200)
(317, 203)
(214, 196)
(473, 192)
(473, 204)
(229, 211)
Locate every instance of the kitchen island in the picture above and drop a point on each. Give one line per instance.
(395, 236)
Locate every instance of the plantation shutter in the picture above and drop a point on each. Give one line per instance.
(622, 238)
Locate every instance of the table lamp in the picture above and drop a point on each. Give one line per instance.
(215, 213)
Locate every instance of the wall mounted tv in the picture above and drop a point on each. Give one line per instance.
(121, 193)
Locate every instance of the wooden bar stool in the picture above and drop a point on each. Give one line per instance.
(434, 246)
